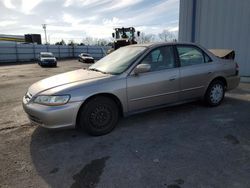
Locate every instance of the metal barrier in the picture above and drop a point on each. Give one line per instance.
(18, 52)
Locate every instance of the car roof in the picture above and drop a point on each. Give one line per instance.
(45, 53)
(158, 44)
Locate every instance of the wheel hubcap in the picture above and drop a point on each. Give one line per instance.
(100, 117)
(216, 94)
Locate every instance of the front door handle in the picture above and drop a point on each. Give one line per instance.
(172, 78)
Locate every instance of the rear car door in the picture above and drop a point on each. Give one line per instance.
(195, 69)
(158, 86)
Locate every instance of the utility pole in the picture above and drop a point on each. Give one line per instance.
(44, 27)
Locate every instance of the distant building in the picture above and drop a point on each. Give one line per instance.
(27, 38)
(218, 24)
(33, 38)
(12, 38)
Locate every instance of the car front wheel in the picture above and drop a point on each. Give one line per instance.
(215, 93)
(99, 116)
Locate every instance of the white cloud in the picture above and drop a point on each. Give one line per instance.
(173, 29)
(68, 18)
(7, 23)
(29, 5)
(8, 4)
(83, 3)
(150, 14)
(50, 21)
(24, 6)
(110, 4)
(114, 22)
(119, 4)
(76, 22)
(68, 3)
(81, 18)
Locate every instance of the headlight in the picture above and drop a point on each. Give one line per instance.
(52, 100)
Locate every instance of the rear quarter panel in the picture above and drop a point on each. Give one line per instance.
(222, 68)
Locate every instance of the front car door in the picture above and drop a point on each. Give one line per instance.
(158, 86)
(195, 68)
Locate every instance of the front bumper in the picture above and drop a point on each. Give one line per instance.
(63, 116)
(84, 60)
(48, 63)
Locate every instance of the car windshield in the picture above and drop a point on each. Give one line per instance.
(118, 61)
(47, 55)
(85, 55)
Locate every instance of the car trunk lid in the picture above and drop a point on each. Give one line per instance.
(223, 53)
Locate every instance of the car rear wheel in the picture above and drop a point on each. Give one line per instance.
(215, 93)
(99, 116)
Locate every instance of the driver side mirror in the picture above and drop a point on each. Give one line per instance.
(138, 33)
(141, 68)
(113, 35)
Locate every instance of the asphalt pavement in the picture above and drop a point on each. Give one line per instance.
(189, 145)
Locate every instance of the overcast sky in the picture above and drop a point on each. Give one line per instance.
(77, 19)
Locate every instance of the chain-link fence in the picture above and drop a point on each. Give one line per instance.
(18, 52)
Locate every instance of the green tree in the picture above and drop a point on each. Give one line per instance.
(62, 42)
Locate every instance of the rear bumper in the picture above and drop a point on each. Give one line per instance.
(233, 82)
(52, 116)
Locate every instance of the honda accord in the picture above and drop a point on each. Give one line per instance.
(132, 79)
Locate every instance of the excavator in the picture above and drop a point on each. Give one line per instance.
(124, 37)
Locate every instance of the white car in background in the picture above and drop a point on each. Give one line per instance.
(86, 58)
(47, 59)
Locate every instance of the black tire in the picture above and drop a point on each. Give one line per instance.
(99, 116)
(215, 93)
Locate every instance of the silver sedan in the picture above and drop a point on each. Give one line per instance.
(132, 79)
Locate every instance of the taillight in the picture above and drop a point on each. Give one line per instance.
(236, 68)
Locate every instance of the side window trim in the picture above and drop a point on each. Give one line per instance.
(176, 56)
(205, 55)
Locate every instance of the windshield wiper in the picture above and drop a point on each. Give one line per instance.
(97, 70)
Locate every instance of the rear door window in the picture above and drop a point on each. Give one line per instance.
(189, 55)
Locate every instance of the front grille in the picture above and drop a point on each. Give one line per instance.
(50, 61)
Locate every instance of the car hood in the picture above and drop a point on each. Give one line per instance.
(48, 58)
(86, 57)
(65, 79)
